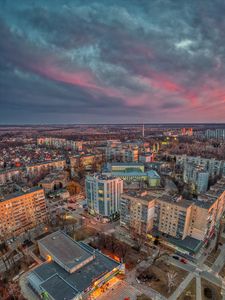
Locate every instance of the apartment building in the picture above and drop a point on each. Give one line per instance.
(196, 175)
(122, 153)
(137, 210)
(22, 211)
(9, 175)
(218, 134)
(172, 216)
(45, 166)
(60, 143)
(208, 210)
(184, 223)
(213, 166)
(103, 194)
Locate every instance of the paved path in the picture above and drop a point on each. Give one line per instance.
(120, 291)
(182, 286)
(25, 289)
(143, 288)
(198, 288)
(220, 261)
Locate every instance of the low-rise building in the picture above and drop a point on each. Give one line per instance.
(72, 270)
(53, 181)
(133, 172)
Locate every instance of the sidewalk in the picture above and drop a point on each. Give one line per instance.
(220, 261)
(182, 286)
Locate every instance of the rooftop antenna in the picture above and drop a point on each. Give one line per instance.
(143, 130)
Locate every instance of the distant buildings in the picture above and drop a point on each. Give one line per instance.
(122, 153)
(213, 166)
(60, 143)
(133, 172)
(218, 134)
(197, 176)
(22, 211)
(146, 157)
(72, 270)
(187, 131)
(103, 194)
(9, 175)
(52, 165)
(202, 181)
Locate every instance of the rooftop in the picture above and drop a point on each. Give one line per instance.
(21, 193)
(178, 201)
(130, 164)
(63, 291)
(144, 194)
(64, 249)
(153, 174)
(61, 284)
(189, 243)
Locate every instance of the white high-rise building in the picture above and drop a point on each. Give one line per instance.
(202, 181)
(103, 194)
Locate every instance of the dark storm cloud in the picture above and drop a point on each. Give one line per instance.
(112, 60)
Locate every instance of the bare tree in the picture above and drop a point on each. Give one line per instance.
(113, 243)
(123, 250)
(158, 256)
(171, 280)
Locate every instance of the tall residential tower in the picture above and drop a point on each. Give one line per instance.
(103, 194)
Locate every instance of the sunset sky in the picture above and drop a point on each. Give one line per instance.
(113, 61)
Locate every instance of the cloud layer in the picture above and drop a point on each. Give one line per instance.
(112, 61)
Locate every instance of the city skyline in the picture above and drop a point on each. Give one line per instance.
(112, 62)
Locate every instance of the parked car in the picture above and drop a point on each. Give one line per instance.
(184, 261)
(175, 257)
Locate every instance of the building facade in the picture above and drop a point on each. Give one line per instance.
(72, 270)
(22, 211)
(188, 223)
(103, 194)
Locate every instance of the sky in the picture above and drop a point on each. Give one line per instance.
(112, 61)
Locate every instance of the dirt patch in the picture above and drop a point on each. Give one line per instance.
(222, 272)
(210, 291)
(212, 257)
(156, 277)
(190, 292)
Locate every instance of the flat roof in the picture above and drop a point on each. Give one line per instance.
(204, 204)
(153, 174)
(63, 291)
(188, 243)
(79, 280)
(127, 164)
(66, 250)
(147, 195)
(176, 201)
(21, 193)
